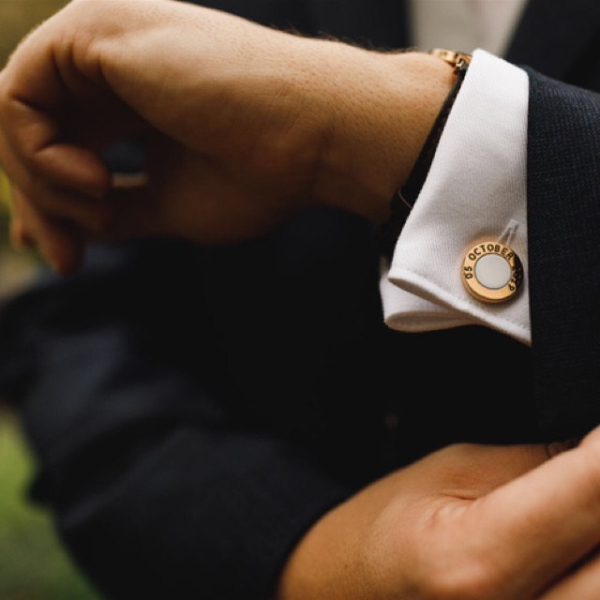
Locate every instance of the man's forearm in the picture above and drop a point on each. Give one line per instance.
(383, 106)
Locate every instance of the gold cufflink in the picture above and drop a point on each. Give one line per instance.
(492, 272)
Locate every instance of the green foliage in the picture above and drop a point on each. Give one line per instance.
(18, 17)
(33, 565)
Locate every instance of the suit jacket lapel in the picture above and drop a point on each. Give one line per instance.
(554, 34)
(557, 38)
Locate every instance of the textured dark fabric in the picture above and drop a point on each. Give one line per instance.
(153, 520)
(191, 473)
(564, 154)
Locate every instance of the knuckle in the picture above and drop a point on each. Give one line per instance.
(472, 580)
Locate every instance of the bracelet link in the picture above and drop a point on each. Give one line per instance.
(458, 60)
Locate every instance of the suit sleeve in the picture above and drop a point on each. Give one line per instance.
(160, 487)
(563, 190)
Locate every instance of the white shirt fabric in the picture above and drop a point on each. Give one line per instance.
(475, 191)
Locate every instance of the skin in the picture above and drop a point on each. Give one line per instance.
(246, 126)
(254, 125)
(465, 523)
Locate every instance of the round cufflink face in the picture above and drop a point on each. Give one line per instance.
(492, 272)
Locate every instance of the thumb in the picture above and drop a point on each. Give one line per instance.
(547, 519)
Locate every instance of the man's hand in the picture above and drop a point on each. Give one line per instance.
(466, 523)
(245, 125)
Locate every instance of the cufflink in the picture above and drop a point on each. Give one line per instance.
(492, 272)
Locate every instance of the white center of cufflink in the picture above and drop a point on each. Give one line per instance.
(493, 271)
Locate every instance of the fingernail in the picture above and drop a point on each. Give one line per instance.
(22, 242)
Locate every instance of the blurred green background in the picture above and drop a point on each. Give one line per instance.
(33, 565)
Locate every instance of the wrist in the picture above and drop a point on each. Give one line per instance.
(381, 116)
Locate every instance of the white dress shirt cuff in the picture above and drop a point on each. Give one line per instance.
(475, 191)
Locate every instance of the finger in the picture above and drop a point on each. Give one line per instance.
(540, 524)
(58, 243)
(70, 167)
(59, 247)
(57, 203)
(35, 103)
(135, 212)
(49, 196)
(20, 237)
(582, 584)
(81, 211)
(65, 180)
(35, 140)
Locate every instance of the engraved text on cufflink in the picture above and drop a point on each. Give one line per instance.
(492, 272)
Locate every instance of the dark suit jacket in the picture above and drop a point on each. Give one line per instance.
(195, 410)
